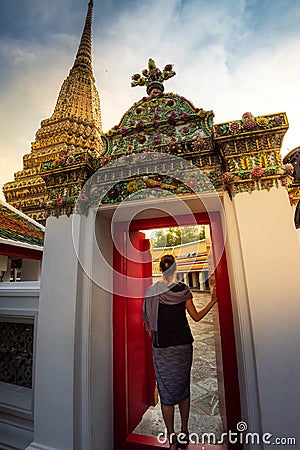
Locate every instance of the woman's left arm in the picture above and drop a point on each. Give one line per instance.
(198, 315)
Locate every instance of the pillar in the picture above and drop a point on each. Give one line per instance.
(195, 280)
(73, 363)
(31, 270)
(5, 265)
(186, 279)
(202, 281)
(55, 352)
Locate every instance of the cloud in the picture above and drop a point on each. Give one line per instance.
(203, 44)
(33, 20)
(183, 35)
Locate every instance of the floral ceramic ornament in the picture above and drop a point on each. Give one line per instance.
(153, 76)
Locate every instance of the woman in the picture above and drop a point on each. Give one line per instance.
(164, 315)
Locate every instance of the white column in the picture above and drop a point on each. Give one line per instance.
(195, 279)
(31, 270)
(263, 250)
(5, 265)
(93, 390)
(201, 281)
(73, 369)
(54, 365)
(101, 392)
(186, 278)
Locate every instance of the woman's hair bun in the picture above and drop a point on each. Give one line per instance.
(167, 263)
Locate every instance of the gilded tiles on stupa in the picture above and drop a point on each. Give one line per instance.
(72, 133)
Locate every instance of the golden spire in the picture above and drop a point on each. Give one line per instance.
(73, 132)
(83, 59)
(78, 96)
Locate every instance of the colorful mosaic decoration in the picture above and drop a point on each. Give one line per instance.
(152, 75)
(65, 177)
(151, 181)
(15, 227)
(166, 122)
(251, 154)
(250, 123)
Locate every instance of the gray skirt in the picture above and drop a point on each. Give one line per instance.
(172, 367)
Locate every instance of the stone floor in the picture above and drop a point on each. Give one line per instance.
(205, 415)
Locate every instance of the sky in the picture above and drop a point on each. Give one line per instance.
(230, 56)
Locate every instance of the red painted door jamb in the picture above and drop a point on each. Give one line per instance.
(129, 441)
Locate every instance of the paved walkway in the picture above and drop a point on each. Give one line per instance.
(205, 415)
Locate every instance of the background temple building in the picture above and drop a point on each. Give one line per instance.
(21, 245)
(164, 164)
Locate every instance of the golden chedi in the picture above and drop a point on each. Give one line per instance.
(71, 134)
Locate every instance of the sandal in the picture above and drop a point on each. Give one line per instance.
(173, 442)
(183, 439)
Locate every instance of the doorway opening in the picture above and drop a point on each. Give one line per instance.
(215, 388)
(190, 245)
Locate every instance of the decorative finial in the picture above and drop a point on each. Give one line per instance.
(153, 77)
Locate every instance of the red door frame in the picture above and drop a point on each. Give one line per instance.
(124, 440)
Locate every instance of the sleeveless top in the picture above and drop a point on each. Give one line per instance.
(173, 327)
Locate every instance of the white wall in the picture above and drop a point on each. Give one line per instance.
(18, 303)
(269, 268)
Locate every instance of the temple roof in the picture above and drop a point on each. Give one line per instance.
(156, 120)
(17, 228)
